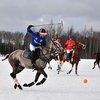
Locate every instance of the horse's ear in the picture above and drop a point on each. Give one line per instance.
(84, 46)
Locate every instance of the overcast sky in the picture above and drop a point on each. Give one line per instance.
(16, 15)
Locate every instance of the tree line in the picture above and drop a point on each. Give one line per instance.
(10, 41)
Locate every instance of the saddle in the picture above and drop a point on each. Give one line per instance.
(32, 55)
(27, 54)
(69, 56)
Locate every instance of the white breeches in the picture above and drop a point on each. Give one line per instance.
(32, 48)
(68, 51)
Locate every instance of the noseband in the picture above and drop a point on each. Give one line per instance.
(57, 49)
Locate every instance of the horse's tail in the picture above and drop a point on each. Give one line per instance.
(5, 57)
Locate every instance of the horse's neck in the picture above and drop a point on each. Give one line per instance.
(44, 53)
(77, 50)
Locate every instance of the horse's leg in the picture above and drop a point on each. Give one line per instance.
(76, 67)
(45, 76)
(70, 69)
(13, 75)
(94, 64)
(98, 64)
(59, 66)
(58, 69)
(39, 72)
(32, 83)
(49, 67)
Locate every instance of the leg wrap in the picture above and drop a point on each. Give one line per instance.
(41, 82)
(29, 85)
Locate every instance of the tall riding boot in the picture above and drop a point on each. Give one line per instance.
(33, 57)
(37, 53)
(68, 56)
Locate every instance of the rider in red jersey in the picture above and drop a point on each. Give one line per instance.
(69, 45)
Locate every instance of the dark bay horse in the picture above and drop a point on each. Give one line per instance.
(97, 61)
(76, 57)
(19, 62)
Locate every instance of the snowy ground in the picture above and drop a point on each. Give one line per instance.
(57, 87)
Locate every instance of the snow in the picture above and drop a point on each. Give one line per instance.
(57, 87)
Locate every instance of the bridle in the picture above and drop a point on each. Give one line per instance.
(43, 55)
(57, 49)
(51, 51)
(77, 49)
(83, 45)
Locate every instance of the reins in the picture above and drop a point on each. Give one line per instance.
(44, 58)
(56, 47)
(51, 50)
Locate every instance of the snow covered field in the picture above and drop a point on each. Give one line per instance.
(57, 87)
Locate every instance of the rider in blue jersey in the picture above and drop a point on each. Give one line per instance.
(37, 39)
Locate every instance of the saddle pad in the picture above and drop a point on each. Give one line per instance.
(27, 53)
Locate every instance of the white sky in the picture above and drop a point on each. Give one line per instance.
(16, 15)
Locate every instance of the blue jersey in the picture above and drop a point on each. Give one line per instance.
(36, 39)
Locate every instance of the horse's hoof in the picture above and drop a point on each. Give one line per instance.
(25, 85)
(15, 86)
(29, 85)
(93, 68)
(39, 83)
(58, 72)
(50, 68)
(77, 74)
(19, 86)
(67, 73)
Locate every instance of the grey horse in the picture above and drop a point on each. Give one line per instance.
(19, 62)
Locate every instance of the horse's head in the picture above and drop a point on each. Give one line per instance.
(46, 54)
(55, 47)
(83, 46)
(78, 48)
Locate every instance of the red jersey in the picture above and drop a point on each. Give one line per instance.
(69, 44)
